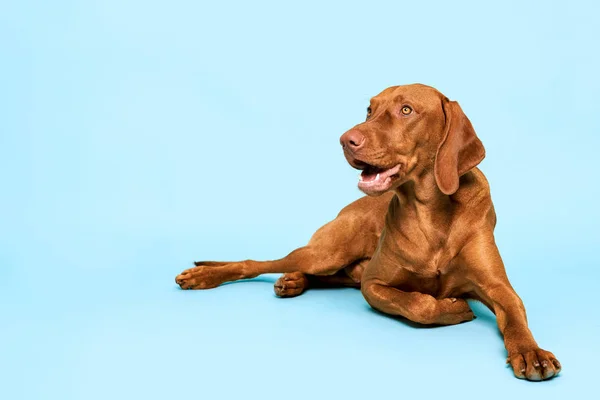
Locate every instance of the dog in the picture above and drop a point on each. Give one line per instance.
(422, 241)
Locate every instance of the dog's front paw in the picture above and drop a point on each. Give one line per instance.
(291, 284)
(534, 365)
(206, 276)
(453, 311)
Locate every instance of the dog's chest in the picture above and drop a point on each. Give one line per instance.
(425, 248)
(425, 268)
(425, 253)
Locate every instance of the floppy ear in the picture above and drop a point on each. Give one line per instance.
(459, 151)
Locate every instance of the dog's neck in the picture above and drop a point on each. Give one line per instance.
(430, 206)
(424, 192)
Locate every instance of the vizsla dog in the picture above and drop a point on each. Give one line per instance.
(422, 241)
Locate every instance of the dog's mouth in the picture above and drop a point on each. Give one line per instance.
(376, 179)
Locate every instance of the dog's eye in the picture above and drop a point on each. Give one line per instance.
(406, 110)
(369, 111)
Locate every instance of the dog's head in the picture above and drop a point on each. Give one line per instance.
(411, 130)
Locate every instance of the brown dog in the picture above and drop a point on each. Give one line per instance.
(423, 241)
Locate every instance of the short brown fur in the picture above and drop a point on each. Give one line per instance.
(422, 241)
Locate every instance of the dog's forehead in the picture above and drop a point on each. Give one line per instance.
(415, 92)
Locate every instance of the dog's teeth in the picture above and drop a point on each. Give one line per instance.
(377, 177)
(360, 178)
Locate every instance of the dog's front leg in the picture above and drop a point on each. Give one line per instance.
(380, 288)
(488, 276)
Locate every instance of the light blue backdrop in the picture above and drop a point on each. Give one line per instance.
(137, 136)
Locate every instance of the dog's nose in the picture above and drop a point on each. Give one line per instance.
(352, 140)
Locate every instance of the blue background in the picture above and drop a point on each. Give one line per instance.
(137, 136)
